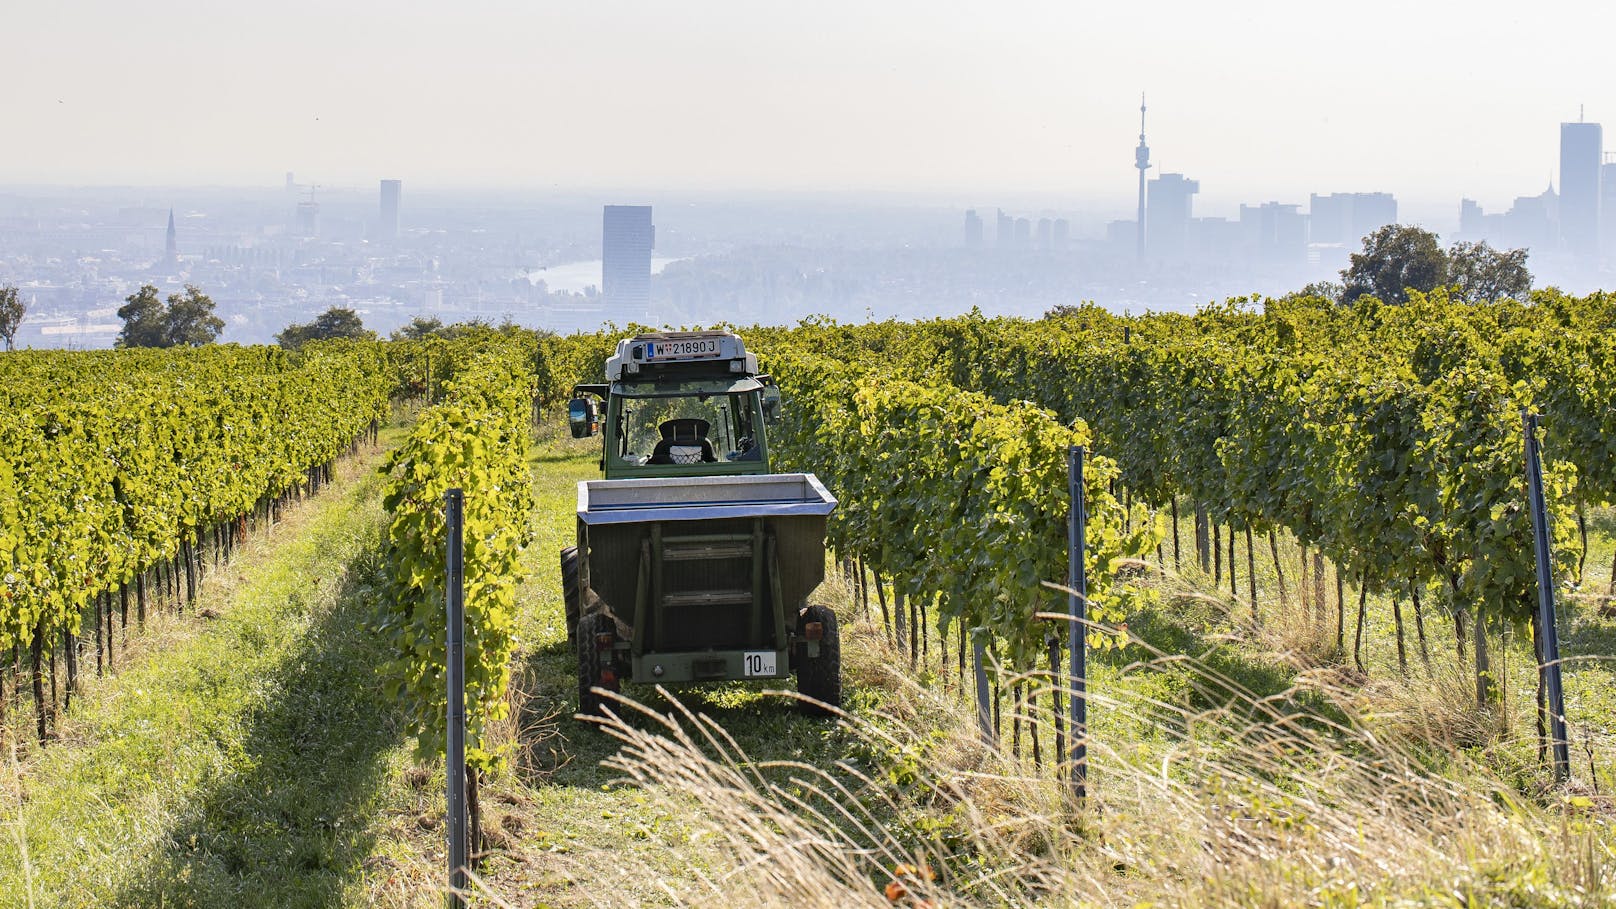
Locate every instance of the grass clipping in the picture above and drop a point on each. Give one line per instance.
(1260, 801)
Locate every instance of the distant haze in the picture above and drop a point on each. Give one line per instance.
(1257, 100)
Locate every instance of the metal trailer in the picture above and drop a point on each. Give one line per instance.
(703, 578)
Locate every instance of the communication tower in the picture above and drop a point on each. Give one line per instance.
(1141, 160)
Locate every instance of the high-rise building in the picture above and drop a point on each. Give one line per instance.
(1533, 222)
(1023, 233)
(1046, 233)
(1063, 233)
(387, 227)
(171, 244)
(627, 238)
(1119, 235)
(308, 218)
(1581, 150)
(1274, 233)
(1215, 239)
(1168, 211)
(1346, 218)
(1004, 231)
(1607, 204)
(973, 230)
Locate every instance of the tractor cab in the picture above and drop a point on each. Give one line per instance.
(694, 562)
(679, 404)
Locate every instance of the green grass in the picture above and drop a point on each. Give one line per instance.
(237, 761)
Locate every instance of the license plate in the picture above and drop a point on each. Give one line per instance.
(696, 349)
(758, 663)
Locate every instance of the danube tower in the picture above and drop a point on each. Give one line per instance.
(1141, 160)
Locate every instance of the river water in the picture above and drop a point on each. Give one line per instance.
(576, 277)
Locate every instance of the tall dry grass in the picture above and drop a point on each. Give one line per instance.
(1298, 798)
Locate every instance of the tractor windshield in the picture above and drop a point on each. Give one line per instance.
(686, 423)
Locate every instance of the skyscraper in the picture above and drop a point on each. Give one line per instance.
(1346, 218)
(1607, 203)
(1172, 197)
(973, 230)
(1004, 232)
(387, 227)
(1274, 233)
(1581, 148)
(627, 238)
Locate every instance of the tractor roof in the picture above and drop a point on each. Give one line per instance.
(681, 353)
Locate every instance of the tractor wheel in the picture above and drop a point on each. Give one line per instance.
(595, 667)
(820, 677)
(570, 592)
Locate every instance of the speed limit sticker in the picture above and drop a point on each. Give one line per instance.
(758, 663)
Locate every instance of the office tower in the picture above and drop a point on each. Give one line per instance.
(1004, 233)
(1063, 231)
(627, 238)
(1046, 233)
(1274, 233)
(1533, 222)
(1141, 160)
(308, 218)
(1581, 148)
(1472, 220)
(387, 228)
(1371, 212)
(1023, 233)
(171, 246)
(1215, 239)
(973, 230)
(1168, 213)
(1607, 204)
(1346, 218)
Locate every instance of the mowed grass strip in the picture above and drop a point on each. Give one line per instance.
(559, 801)
(234, 760)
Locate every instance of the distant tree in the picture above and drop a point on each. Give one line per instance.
(143, 320)
(189, 321)
(186, 321)
(1396, 259)
(11, 312)
(336, 322)
(419, 327)
(1327, 290)
(1481, 274)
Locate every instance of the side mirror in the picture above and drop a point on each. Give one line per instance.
(583, 417)
(771, 403)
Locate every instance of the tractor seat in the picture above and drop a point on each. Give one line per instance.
(684, 441)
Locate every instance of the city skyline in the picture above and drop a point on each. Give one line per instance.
(839, 96)
(273, 255)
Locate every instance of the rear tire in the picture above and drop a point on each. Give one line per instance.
(820, 677)
(570, 591)
(592, 661)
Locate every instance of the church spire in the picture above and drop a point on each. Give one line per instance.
(172, 246)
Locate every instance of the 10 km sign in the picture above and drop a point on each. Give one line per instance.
(758, 663)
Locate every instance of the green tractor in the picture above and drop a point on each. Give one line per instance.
(694, 562)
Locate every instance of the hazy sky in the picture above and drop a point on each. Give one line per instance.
(1256, 99)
